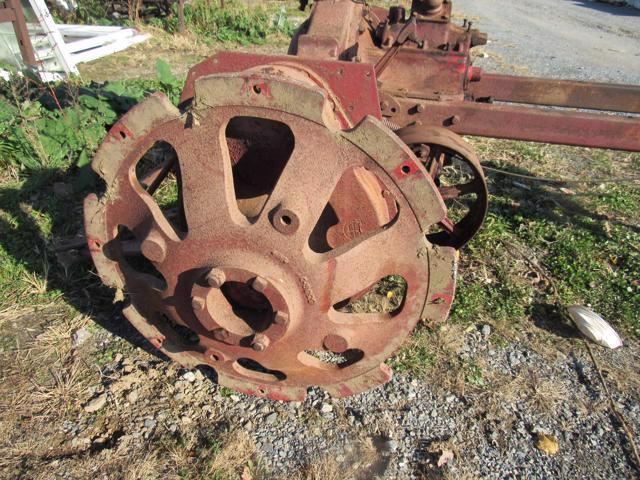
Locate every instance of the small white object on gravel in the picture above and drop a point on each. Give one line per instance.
(594, 327)
(326, 408)
(80, 336)
(486, 331)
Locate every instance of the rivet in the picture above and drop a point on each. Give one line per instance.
(220, 334)
(259, 284)
(260, 342)
(216, 277)
(281, 318)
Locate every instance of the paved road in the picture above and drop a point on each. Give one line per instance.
(579, 39)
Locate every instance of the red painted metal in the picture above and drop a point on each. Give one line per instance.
(430, 62)
(264, 281)
(536, 125)
(558, 93)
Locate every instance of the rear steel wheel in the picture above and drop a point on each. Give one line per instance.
(282, 220)
(456, 170)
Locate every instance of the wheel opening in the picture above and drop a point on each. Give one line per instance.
(249, 307)
(158, 173)
(326, 359)
(340, 223)
(455, 182)
(132, 260)
(385, 296)
(259, 149)
(253, 369)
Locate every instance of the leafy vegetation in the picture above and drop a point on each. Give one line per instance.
(235, 22)
(61, 127)
(48, 136)
(542, 243)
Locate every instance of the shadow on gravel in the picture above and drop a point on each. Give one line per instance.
(594, 391)
(547, 317)
(621, 10)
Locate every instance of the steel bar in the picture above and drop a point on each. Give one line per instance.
(560, 93)
(536, 125)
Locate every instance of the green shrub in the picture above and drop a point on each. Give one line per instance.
(62, 127)
(234, 23)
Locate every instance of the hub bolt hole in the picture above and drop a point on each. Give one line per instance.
(285, 221)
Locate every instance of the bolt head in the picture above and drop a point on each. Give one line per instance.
(335, 343)
(220, 334)
(420, 108)
(281, 318)
(154, 247)
(259, 284)
(197, 303)
(260, 342)
(216, 277)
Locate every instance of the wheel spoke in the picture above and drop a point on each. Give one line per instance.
(298, 188)
(144, 291)
(207, 179)
(455, 191)
(377, 255)
(140, 213)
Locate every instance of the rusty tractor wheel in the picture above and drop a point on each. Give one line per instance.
(277, 222)
(457, 172)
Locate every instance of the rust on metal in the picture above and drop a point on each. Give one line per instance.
(557, 93)
(302, 180)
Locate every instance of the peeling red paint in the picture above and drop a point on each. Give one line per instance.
(120, 131)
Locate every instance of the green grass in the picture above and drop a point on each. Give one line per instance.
(44, 141)
(587, 244)
(417, 356)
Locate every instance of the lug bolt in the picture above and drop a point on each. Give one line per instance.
(216, 277)
(154, 247)
(420, 108)
(259, 284)
(221, 334)
(260, 342)
(335, 343)
(281, 318)
(197, 303)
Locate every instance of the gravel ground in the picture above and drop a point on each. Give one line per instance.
(398, 431)
(579, 39)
